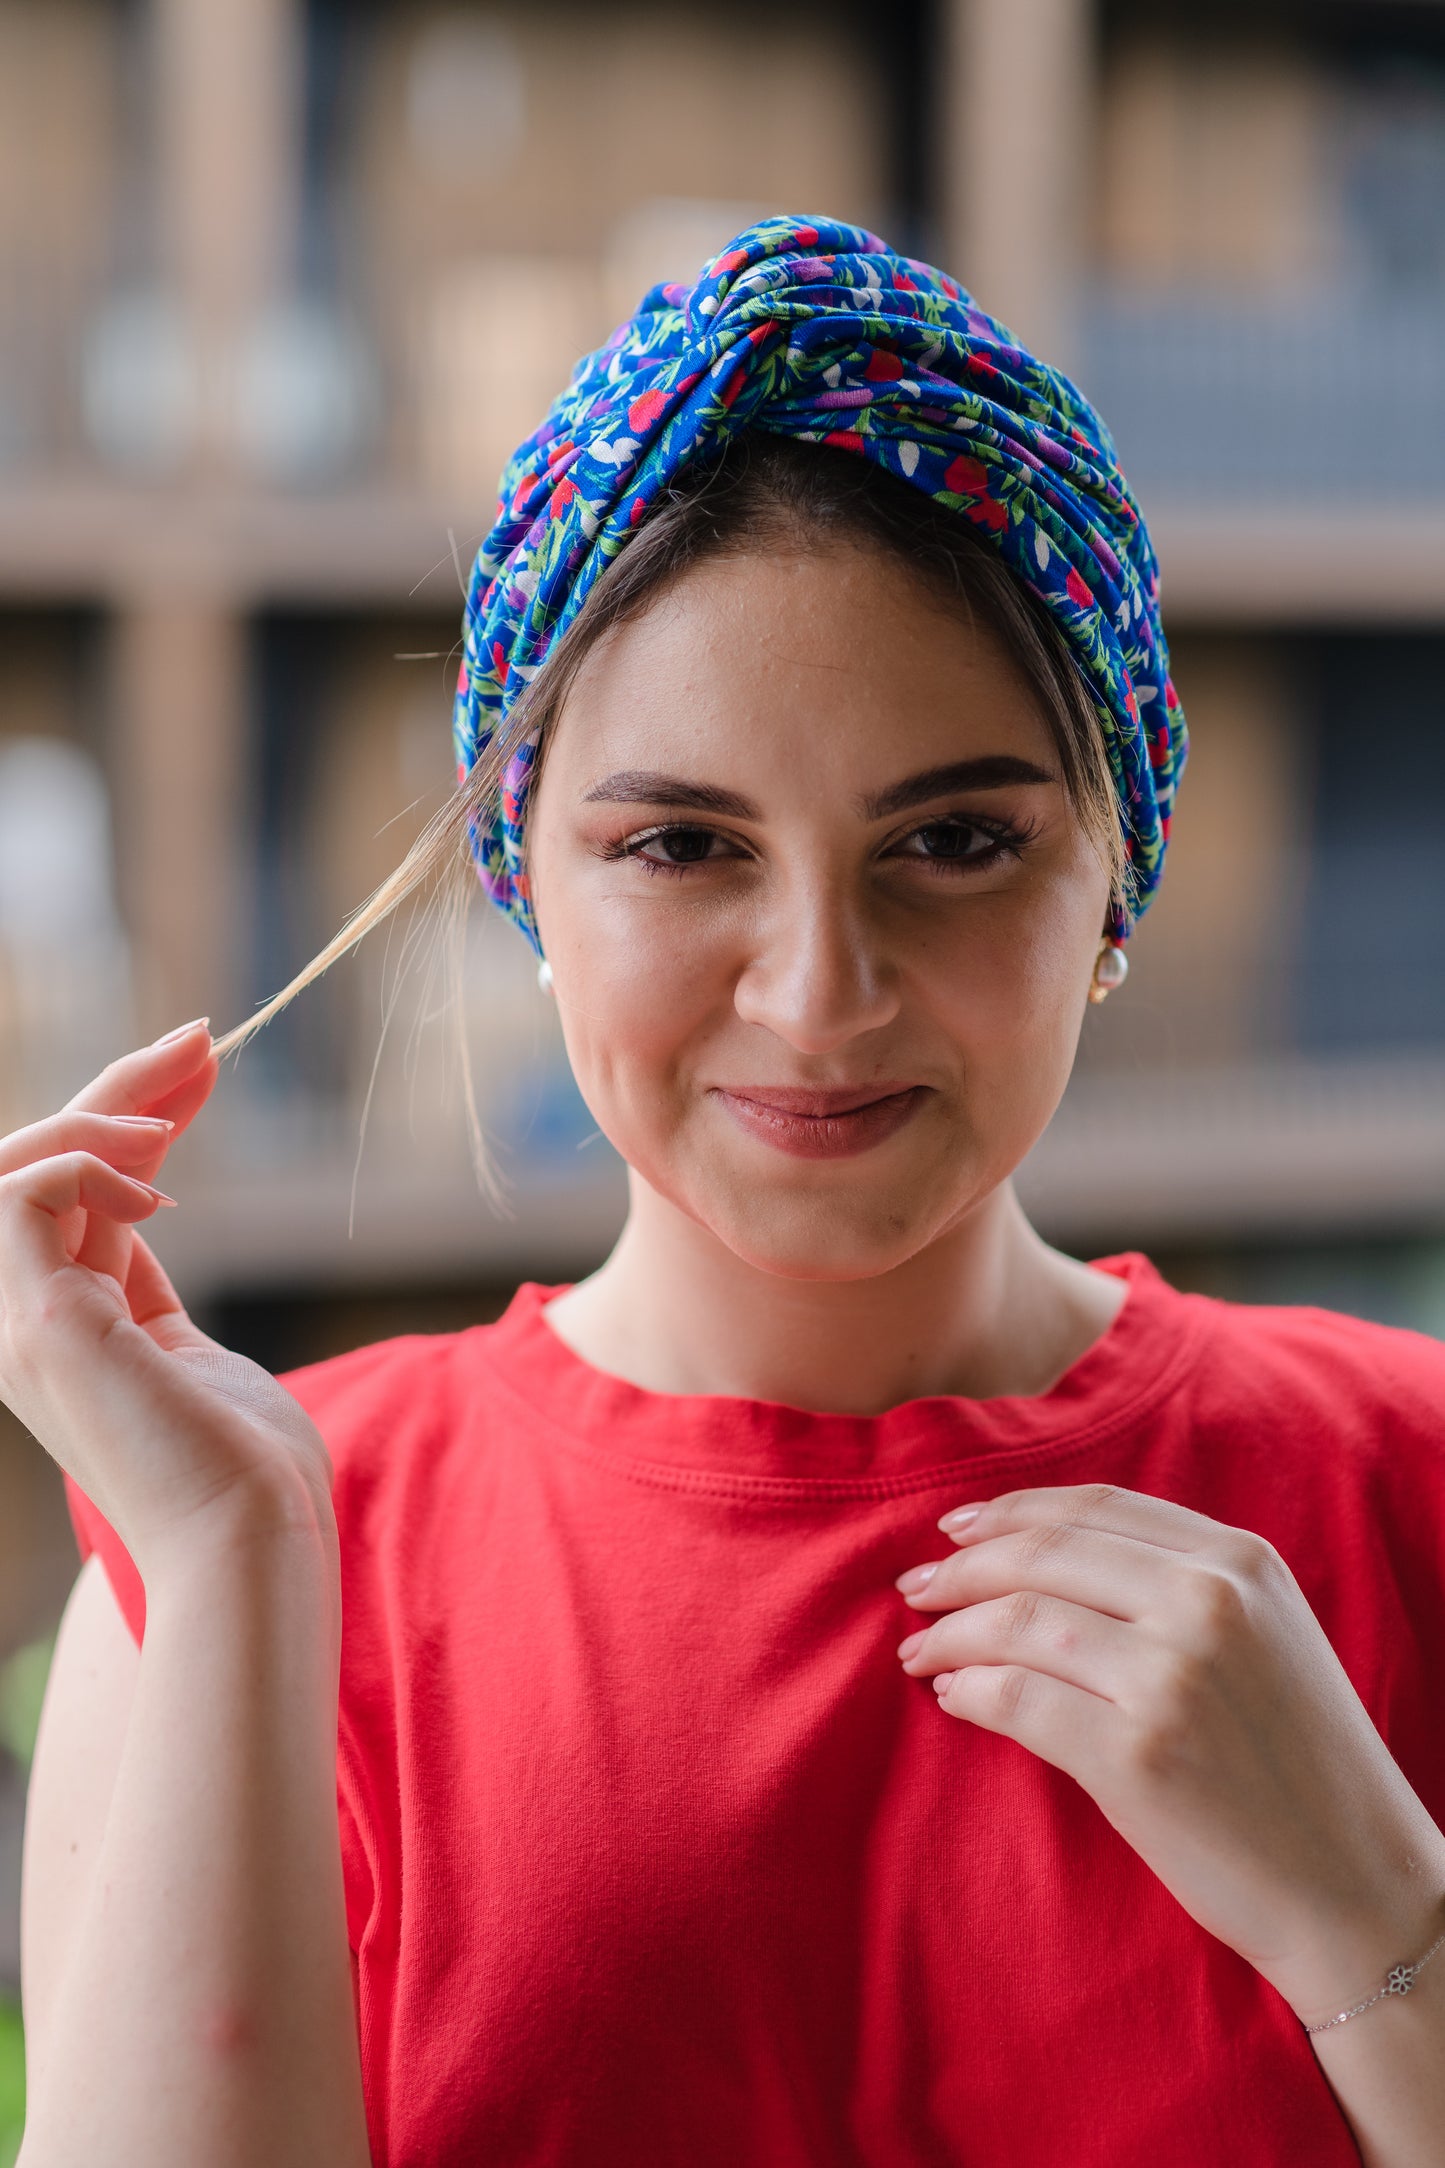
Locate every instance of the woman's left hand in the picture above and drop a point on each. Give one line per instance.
(1172, 1666)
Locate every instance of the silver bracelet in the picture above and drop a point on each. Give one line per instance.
(1398, 1981)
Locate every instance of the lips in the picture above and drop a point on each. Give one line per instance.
(809, 1123)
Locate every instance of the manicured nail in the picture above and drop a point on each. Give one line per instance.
(169, 1038)
(142, 1121)
(943, 1681)
(916, 1578)
(908, 1647)
(959, 1519)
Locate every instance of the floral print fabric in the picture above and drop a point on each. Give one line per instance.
(817, 330)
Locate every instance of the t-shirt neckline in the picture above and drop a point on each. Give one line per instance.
(1134, 1362)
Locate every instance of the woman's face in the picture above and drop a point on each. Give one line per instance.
(820, 914)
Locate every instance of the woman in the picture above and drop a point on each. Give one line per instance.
(699, 1800)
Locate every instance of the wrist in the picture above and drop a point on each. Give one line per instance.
(1349, 1961)
(274, 1521)
(270, 1597)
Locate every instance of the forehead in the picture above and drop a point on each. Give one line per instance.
(826, 664)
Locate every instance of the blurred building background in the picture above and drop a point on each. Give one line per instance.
(281, 281)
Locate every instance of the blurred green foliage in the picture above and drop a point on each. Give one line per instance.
(22, 1689)
(12, 2083)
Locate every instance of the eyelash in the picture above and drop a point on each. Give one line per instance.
(1010, 839)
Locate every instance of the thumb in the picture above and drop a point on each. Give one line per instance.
(154, 1304)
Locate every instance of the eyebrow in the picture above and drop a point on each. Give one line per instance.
(648, 786)
(645, 786)
(993, 772)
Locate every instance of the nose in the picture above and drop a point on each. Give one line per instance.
(818, 974)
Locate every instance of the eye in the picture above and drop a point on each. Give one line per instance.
(678, 846)
(959, 842)
(672, 848)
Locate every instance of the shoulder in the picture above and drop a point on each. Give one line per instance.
(1255, 1369)
(1307, 1417)
(360, 1393)
(398, 1410)
(376, 1398)
(1343, 1370)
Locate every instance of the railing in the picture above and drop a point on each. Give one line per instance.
(1321, 399)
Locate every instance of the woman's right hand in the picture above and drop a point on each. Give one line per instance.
(173, 1437)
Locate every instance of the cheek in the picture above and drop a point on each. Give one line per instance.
(642, 985)
(1009, 1001)
(1020, 968)
(620, 990)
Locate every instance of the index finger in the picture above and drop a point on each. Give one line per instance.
(174, 1078)
(1106, 1507)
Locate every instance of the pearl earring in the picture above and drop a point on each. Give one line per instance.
(1111, 968)
(544, 976)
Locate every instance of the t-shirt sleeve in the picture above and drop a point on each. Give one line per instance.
(94, 1535)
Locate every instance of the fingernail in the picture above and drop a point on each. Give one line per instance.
(159, 1194)
(953, 1523)
(142, 1121)
(169, 1038)
(943, 1681)
(917, 1577)
(907, 1648)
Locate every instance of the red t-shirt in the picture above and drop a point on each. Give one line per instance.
(655, 1857)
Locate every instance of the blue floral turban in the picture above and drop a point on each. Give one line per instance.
(819, 331)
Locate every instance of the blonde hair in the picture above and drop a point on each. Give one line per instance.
(763, 492)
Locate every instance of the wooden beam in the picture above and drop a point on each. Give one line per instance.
(1016, 169)
(178, 687)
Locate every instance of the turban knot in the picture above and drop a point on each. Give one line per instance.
(818, 331)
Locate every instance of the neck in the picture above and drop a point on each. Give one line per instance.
(986, 1309)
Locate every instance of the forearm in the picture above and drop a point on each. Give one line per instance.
(205, 2013)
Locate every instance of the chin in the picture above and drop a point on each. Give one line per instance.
(824, 1237)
